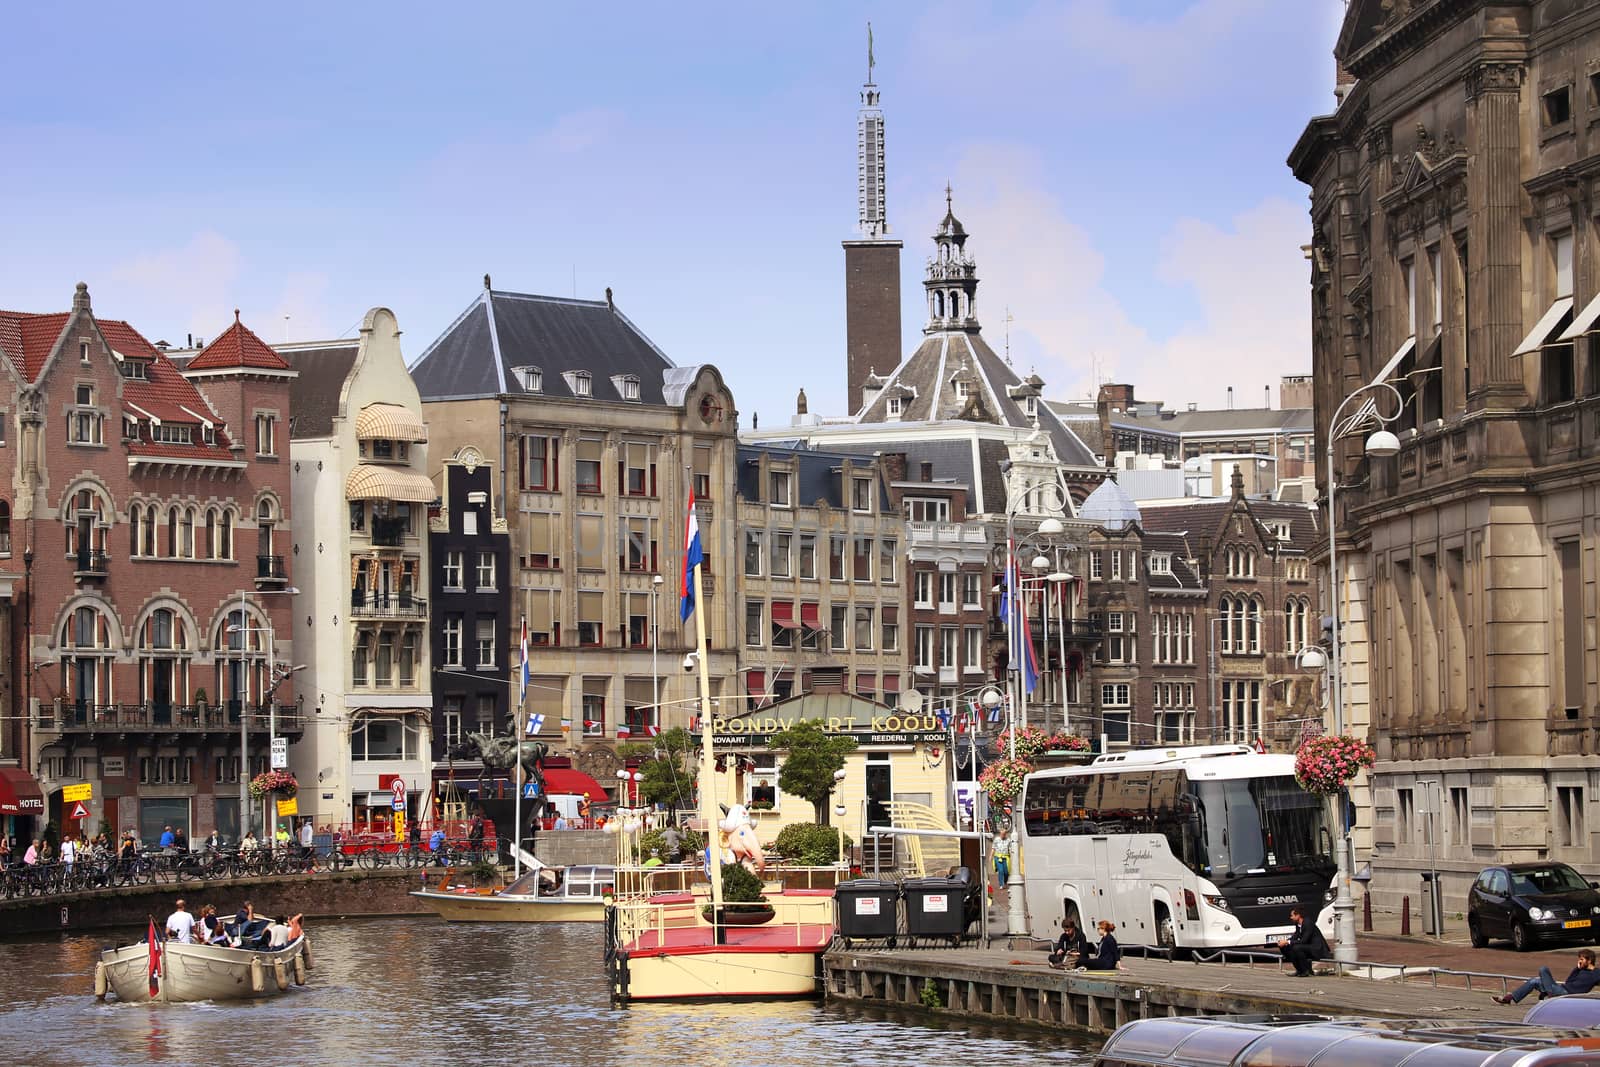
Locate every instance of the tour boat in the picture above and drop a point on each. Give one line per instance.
(544, 895)
(176, 973)
(1287, 1041)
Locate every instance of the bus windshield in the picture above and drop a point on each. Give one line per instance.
(1262, 825)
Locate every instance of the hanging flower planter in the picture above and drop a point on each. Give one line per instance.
(1323, 764)
(281, 782)
(1002, 779)
(1068, 743)
(1030, 742)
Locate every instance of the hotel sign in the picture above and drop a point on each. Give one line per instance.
(888, 729)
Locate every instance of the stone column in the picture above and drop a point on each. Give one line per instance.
(1494, 192)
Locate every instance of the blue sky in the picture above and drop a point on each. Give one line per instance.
(1119, 164)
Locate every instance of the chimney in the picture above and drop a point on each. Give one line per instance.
(1266, 391)
(80, 297)
(927, 471)
(486, 284)
(800, 403)
(1230, 398)
(894, 464)
(609, 302)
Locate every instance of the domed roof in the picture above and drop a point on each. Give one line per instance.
(1110, 506)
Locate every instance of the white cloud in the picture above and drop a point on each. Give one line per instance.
(1248, 279)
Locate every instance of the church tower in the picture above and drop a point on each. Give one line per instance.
(952, 277)
(872, 259)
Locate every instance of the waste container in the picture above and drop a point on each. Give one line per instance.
(935, 907)
(866, 908)
(1430, 904)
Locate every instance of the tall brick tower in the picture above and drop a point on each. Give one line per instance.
(872, 259)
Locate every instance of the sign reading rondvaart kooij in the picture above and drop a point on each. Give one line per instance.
(890, 728)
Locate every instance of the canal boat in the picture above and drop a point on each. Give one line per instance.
(176, 973)
(543, 895)
(1297, 1041)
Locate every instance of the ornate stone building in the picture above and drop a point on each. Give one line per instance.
(1453, 255)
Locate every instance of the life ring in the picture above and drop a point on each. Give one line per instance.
(100, 981)
(258, 976)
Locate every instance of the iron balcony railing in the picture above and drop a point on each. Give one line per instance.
(83, 717)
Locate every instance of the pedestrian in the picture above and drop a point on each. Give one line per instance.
(672, 841)
(281, 838)
(475, 832)
(250, 844)
(180, 840)
(583, 810)
(1070, 947)
(167, 838)
(1303, 946)
(306, 837)
(5, 851)
(69, 853)
(180, 925)
(1583, 978)
(561, 822)
(1002, 856)
(31, 857)
(213, 841)
(1107, 954)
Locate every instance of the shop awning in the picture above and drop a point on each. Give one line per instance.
(809, 616)
(1584, 322)
(20, 793)
(565, 781)
(755, 683)
(1406, 348)
(367, 482)
(1544, 330)
(866, 683)
(891, 683)
(783, 614)
(390, 422)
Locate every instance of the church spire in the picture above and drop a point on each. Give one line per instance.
(952, 276)
(872, 216)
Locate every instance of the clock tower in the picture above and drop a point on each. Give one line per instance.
(872, 258)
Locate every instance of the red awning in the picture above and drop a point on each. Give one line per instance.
(891, 683)
(866, 683)
(19, 793)
(755, 683)
(809, 616)
(783, 614)
(565, 781)
(891, 613)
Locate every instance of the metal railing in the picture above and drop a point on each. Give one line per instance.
(387, 605)
(93, 564)
(271, 568)
(79, 716)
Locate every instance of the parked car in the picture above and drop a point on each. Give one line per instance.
(1533, 902)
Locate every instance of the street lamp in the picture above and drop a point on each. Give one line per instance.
(242, 628)
(1380, 443)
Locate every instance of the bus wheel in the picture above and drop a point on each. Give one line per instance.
(1167, 934)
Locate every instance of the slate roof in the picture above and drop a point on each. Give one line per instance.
(1110, 506)
(314, 395)
(1200, 519)
(499, 331)
(28, 338)
(930, 371)
(237, 347)
(815, 474)
(1183, 576)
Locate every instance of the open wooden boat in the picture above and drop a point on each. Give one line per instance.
(201, 972)
(577, 895)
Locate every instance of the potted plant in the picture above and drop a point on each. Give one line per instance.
(743, 903)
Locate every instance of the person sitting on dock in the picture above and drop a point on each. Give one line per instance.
(1303, 946)
(1070, 947)
(1583, 978)
(1108, 954)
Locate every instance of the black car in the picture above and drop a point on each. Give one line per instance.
(1533, 902)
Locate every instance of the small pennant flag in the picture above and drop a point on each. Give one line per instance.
(536, 722)
(694, 723)
(652, 729)
(624, 730)
(153, 966)
(943, 715)
(590, 724)
(995, 713)
(566, 726)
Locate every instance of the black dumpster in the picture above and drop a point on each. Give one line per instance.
(935, 907)
(866, 908)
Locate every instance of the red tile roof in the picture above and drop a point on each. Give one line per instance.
(28, 338)
(238, 347)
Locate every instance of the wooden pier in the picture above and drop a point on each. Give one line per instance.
(998, 984)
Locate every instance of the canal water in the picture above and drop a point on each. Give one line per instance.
(418, 992)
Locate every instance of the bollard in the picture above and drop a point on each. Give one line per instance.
(1366, 913)
(1405, 916)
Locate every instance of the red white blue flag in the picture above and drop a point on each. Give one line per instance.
(693, 556)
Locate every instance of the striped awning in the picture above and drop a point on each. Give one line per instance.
(367, 482)
(390, 422)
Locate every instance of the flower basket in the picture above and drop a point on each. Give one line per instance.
(1002, 779)
(1323, 764)
(1068, 743)
(281, 782)
(1030, 742)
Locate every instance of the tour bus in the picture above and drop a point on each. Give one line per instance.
(1199, 847)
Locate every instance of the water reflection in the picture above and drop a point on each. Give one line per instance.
(409, 991)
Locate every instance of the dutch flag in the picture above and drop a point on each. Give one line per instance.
(522, 691)
(693, 556)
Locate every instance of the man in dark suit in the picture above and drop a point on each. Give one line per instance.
(1303, 946)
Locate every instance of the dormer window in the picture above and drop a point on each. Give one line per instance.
(963, 388)
(172, 433)
(1160, 563)
(1030, 405)
(137, 369)
(895, 405)
(530, 378)
(581, 382)
(130, 428)
(1282, 529)
(627, 386)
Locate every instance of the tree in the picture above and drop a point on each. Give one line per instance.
(811, 756)
(666, 781)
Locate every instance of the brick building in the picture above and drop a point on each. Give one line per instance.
(149, 502)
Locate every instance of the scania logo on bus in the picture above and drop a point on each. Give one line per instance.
(1277, 900)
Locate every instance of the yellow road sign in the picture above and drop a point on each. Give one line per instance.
(288, 807)
(83, 791)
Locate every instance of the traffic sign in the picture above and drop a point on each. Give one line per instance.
(78, 811)
(82, 791)
(399, 802)
(280, 753)
(530, 790)
(398, 786)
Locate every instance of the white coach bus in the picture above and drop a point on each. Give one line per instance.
(1201, 847)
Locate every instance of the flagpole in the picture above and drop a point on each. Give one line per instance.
(708, 798)
(517, 728)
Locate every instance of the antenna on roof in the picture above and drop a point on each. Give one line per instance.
(1008, 335)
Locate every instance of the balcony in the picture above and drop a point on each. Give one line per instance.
(271, 573)
(387, 606)
(91, 566)
(81, 717)
(388, 533)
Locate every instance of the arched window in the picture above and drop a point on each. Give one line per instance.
(938, 304)
(86, 662)
(266, 523)
(186, 535)
(225, 535)
(135, 524)
(208, 547)
(149, 534)
(164, 652)
(172, 532)
(1225, 611)
(1294, 625)
(86, 523)
(240, 651)
(1253, 606)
